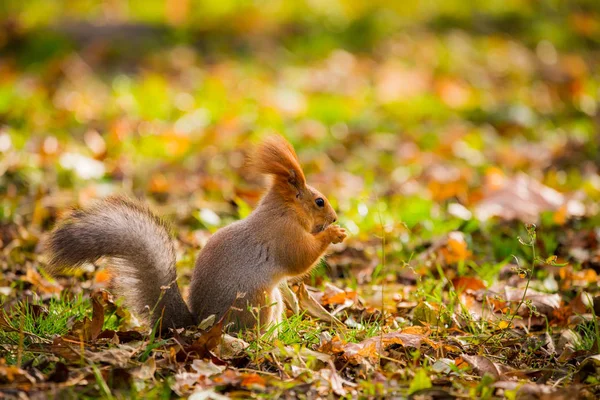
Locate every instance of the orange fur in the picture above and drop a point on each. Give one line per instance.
(275, 156)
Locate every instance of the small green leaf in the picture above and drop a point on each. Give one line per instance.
(420, 381)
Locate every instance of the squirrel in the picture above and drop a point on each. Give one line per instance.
(239, 269)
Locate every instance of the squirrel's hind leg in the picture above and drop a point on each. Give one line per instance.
(267, 311)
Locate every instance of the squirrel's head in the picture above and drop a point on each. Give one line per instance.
(317, 208)
(276, 157)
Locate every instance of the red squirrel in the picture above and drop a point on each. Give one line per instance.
(237, 272)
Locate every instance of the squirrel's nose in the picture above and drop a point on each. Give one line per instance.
(335, 219)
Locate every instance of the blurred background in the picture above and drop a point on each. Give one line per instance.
(415, 118)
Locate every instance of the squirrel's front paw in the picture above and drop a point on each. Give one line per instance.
(336, 233)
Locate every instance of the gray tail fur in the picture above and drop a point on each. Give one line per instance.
(140, 250)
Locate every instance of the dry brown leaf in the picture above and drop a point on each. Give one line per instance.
(13, 374)
(581, 278)
(523, 198)
(545, 303)
(40, 284)
(97, 316)
(447, 181)
(203, 345)
(371, 348)
(120, 356)
(230, 347)
(290, 299)
(66, 348)
(482, 365)
(335, 381)
(89, 330)
(308, 303)
(336, 296)
(449, 249)
(537, 391)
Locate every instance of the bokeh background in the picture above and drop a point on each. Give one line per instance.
(415, 118)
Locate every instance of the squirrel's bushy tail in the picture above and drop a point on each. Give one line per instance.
(142, 255)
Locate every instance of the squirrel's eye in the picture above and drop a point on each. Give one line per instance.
(320, 202)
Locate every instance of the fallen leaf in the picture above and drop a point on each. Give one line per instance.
(373, 347)
(40, 284)
(308, 303)
(289, 298)
(230, 347)
(482, 365)
(463, 283)
(523, 198)
(203, 345)
(545, 303)
(13, 374)
(537, 391)
(253, 381)
(336, 383)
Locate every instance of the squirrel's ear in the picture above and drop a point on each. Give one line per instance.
(298, 186)
(293, 180)
(276, 156)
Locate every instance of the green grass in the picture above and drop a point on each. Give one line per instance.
(53, 319)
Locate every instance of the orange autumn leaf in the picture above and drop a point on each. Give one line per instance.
(467, 282)
(41, 284)
(455, 249)
(560, 216)
(253, 380)
(417, 330)
(577, 278)
(461, 364)
(338, 298)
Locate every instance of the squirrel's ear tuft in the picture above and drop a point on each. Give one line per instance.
(276, 156)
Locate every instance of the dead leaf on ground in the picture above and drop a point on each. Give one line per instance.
(253, 381)
(89, 329)
(449, 249)
(66, 348)
(537, 391)
(40, 284)
(523, 198)
(335, 381)
(309, 304)
(230, 347)
(373, 347)
(13, 374)
(544, 303)
(290, 299)
(463, 283)
(60, 373)
(482, 365)
(203, 345)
